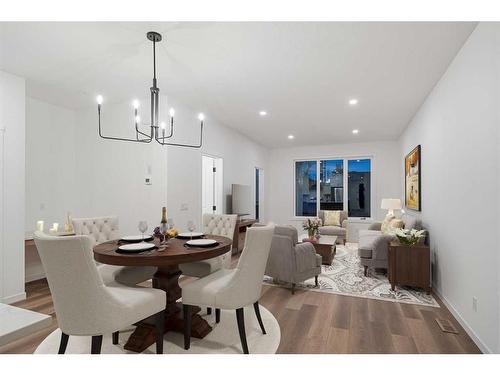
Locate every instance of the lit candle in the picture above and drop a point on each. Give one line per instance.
(55, 226)
(39, 225)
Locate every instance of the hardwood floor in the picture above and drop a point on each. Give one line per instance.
(313, 322)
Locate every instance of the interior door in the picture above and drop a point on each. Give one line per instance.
(211, 184)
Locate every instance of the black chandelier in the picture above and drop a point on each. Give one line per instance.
(158, 129)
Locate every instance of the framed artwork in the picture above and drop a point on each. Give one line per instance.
(413, 194)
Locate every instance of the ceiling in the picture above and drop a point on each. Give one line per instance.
(301, 73)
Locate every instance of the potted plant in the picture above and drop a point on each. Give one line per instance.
(409, 237)
(312, 227)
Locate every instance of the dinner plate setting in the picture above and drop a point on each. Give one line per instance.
(190, 235)
(136, 247)
(202, 243)
(137, 238)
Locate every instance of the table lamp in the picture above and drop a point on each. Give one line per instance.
(391, 205)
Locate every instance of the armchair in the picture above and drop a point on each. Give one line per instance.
(291, 261)
(373, 243)
(334, 230)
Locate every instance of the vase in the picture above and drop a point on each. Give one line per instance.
(310, 233)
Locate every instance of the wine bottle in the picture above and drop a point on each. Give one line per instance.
(164, 226)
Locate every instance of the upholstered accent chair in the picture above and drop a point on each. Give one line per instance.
(106, 228)
(291, 261)
(84, 305)
(335, 230)
(232, 289)
(220, 225)
(373, 243)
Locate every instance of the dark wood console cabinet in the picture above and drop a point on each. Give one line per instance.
(410, 266)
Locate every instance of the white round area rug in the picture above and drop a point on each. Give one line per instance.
(223, 339)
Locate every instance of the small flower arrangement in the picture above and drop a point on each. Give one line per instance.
(312, 226)
(409, 236)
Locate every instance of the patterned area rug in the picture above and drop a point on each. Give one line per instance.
(346, 276)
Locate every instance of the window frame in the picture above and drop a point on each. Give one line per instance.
(345, 180)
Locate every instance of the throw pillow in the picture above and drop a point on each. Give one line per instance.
(332, 218)
(385, 227)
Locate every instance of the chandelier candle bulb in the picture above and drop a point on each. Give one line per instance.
(135, 103)
(201, 117)
(171, 112)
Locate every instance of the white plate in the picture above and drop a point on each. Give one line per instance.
(189, 234)
(201, 242)
(137, 246)
(136, 238)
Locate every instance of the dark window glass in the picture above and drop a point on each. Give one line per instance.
(331, 185)
(359, 187)
(305, 188)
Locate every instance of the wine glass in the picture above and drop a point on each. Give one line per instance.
(143, 227)
(191, 227)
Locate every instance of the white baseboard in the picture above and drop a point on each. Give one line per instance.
(15, 298)
(482, 346)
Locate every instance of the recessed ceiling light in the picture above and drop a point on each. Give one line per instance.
(353, 101)
(262, 113)
(291, 136)
(355, 131)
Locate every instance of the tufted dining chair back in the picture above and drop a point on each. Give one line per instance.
(99, 229)
(219, 225)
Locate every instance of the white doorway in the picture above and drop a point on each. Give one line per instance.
(212, 185)
(259, 194)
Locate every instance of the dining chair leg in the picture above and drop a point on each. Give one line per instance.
(63, 344)
(209, 310)
(293, 288)
(96, 345)
(241, 329)
(257, 313)
(217, 315)
(187, 309)
(116, 337)
(160, 329)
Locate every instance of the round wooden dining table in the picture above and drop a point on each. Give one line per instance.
(167, 261)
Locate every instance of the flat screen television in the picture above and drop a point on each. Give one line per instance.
(241, 199)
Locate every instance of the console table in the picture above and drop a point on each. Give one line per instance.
(410, 265)
(239, 231)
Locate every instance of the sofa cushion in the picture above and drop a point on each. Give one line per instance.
(331, 230)
(332, 218)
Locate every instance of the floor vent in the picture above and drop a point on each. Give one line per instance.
(446, 326)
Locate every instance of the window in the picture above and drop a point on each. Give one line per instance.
(331, 185)
(325, 180)
(358, 198)
(305, 188)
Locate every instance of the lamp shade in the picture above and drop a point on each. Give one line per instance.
(391, 204)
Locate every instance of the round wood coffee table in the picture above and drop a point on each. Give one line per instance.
(165, 278)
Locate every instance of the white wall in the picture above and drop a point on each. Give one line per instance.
(12, 181)
(457, 127)
(50, 163)
(111, 174)
(240, 157)
(386, 166)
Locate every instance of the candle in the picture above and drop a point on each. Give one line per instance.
(55, 226)
(52, 231)
(39, 225)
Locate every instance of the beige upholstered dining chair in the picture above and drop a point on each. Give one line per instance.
(220, 225)
(106, 228)
(84, 305)
(232, 288)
